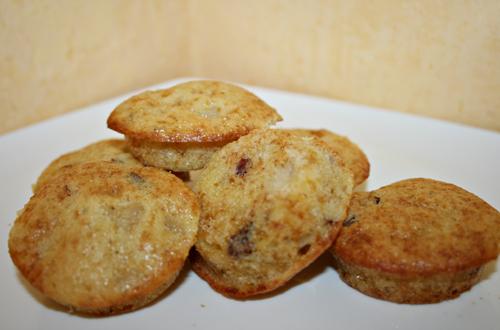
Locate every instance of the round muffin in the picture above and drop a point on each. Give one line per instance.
(272, 202)
(179, 128)
(353, 157)
(113, 150)
(416, 241)
(102, 237)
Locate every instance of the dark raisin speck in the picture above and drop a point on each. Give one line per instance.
(376, 199)
(304, 249)
(184, 176)
(136, 178)
(67, 191)
(241, 168)
(474, 271)
(240, 243)
(349, 221)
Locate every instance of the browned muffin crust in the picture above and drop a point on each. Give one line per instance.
(103, 237)
(195, 111)
(416, 241)
(271, 204)
(352, 155)
(113, 150)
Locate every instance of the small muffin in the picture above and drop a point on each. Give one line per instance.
(113, 150)
(179, 128)
(353, 157)
(104, 237)
(416, 241)
(272, 202)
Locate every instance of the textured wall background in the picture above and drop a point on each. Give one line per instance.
(434, 58)
(56, 56)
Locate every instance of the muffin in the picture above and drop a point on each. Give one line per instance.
(105, 237)
(416, 241)
(272, 202)
(179, 128)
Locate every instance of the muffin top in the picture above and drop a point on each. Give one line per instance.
(113, 150)
(419, 227)
(353, 157)
(102, 236)
(195, 111)
(271, 203)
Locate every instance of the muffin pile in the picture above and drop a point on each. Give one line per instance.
(202, 174)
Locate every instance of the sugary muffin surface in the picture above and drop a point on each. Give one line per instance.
(416, 241)
(113, 150)
(104, 237)
(419, 226)
(353, 157)
(195, 111)
(271, 203)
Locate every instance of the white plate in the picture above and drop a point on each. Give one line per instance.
(398, 146)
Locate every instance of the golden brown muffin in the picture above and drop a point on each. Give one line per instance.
(272, 202)
(353, 157)
(113, 150)
(416, 241)
(103, 237)
(179, 128)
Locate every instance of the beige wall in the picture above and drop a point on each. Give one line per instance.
(435, 58)
(59, 55)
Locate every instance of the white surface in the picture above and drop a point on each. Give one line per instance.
(398, 146)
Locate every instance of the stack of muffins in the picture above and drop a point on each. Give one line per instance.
(201, 173)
